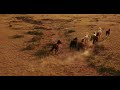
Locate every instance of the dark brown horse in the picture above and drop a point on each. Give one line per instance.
(55, 47)
(95, 39)
(73, 43)
(108, 32)
(80, 45)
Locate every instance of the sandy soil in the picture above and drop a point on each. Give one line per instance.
(14, 62)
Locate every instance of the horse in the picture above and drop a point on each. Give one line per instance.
(73, 43)
(86, 39)
(80, 45)
(98, 34)
(55, 47)
(108, 33)
(95, 39)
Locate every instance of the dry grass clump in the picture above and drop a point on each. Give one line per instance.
(35, 33)
(44, 52)
(103, 61)
(35, 39)
(31, 46)
(17, 36)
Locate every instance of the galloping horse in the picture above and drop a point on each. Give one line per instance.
(80, 45)
(108, 32)
(99, 33)
(55, 47)
(73, 43)
(94, 38)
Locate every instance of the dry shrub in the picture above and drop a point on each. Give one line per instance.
(35, 39)
(100, 60)
(35, 33)
(29, 20)
(41, 28)
(42, 53)
(70, 31)
(111, 71)
(68, 34)
(17, 36)
(31, 46)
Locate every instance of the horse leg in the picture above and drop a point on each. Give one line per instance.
(93, 41)
(51, 51)
(56, 51)
(78, 48)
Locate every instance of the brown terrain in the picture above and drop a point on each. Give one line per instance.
(26, 38)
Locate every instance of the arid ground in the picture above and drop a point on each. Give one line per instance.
(26, 38)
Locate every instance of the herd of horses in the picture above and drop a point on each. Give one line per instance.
(83, 44)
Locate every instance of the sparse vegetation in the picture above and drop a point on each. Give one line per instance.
(29, 20)
(35, 33)
(42, 53)
(100, 60)
(31, 46)
(41, 28)
(35, 39)
(41, 31)
(17, 36)
(111, 71)
(70, 31)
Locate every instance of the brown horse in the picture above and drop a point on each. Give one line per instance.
(80, 45)
(95, 39)
(108, 33)
(55, 47)
(73, 43)
(98, 34)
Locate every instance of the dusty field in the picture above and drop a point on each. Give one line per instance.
(17, 60)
